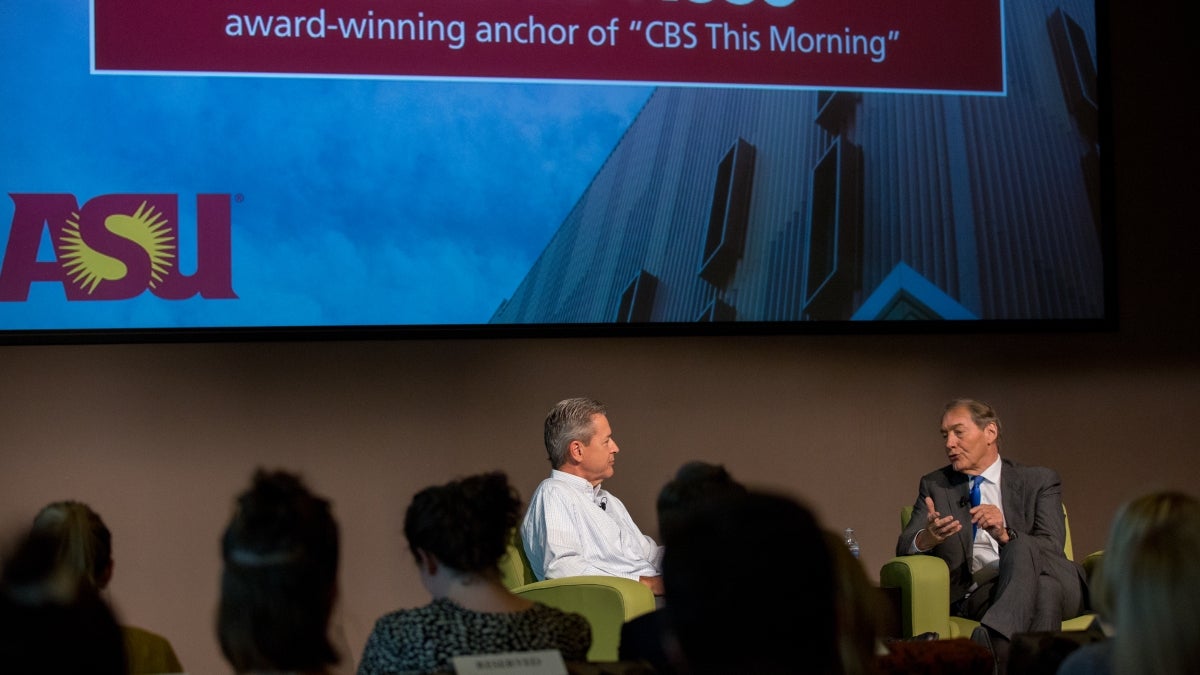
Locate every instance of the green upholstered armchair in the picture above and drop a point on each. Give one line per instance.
(923, 582)
(606, 602)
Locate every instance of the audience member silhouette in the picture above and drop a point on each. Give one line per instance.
(1146, 588)
(84, 550)
(458, 533)
(696, 483)
(785, 623)
(49, 622)
(279, 578)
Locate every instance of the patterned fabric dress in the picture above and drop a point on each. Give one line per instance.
(423, 640)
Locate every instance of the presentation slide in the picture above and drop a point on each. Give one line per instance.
(200, 164)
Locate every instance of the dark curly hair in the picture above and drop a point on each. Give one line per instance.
(464, 523)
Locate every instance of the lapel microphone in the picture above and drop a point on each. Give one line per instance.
(604, 503)
(963, 502)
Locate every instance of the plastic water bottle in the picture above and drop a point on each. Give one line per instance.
(851, 542)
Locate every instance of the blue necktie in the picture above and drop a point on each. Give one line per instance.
(975, 499)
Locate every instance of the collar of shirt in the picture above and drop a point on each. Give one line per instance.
(597, 494)
(989, 489)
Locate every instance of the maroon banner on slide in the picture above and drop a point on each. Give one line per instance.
(911, 45)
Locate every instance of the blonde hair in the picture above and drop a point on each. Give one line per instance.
(1146, 584)
(1156, 609)
(84, 541)
(1135, 520)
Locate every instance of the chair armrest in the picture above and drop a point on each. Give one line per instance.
(634, 597)
(924, 583)
(606, 602)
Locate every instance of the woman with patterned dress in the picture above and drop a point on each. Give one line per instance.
(457, 533)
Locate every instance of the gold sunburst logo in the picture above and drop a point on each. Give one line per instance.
(146, 227)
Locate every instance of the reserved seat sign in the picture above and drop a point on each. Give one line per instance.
(544, 662)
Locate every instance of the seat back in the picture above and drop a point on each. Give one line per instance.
(515, 570)
(907, 511)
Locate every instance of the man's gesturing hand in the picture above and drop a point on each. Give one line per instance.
(939, 527)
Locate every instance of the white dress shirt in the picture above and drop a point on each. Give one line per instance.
(572, 529)
(985, 555)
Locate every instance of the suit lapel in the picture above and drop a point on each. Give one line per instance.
(1012, 488)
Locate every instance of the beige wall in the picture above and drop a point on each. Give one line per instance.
(159, 438)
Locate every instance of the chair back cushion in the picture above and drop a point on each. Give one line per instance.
(515, 570)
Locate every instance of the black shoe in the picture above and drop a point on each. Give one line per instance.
(995, 643)
(981, 636)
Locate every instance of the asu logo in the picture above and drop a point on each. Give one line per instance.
(116, 247)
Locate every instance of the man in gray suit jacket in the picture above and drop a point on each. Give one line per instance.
(1000, 528)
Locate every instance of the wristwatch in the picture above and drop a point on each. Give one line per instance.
(1012, 534)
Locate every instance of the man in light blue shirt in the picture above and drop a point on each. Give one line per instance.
(574, 527)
